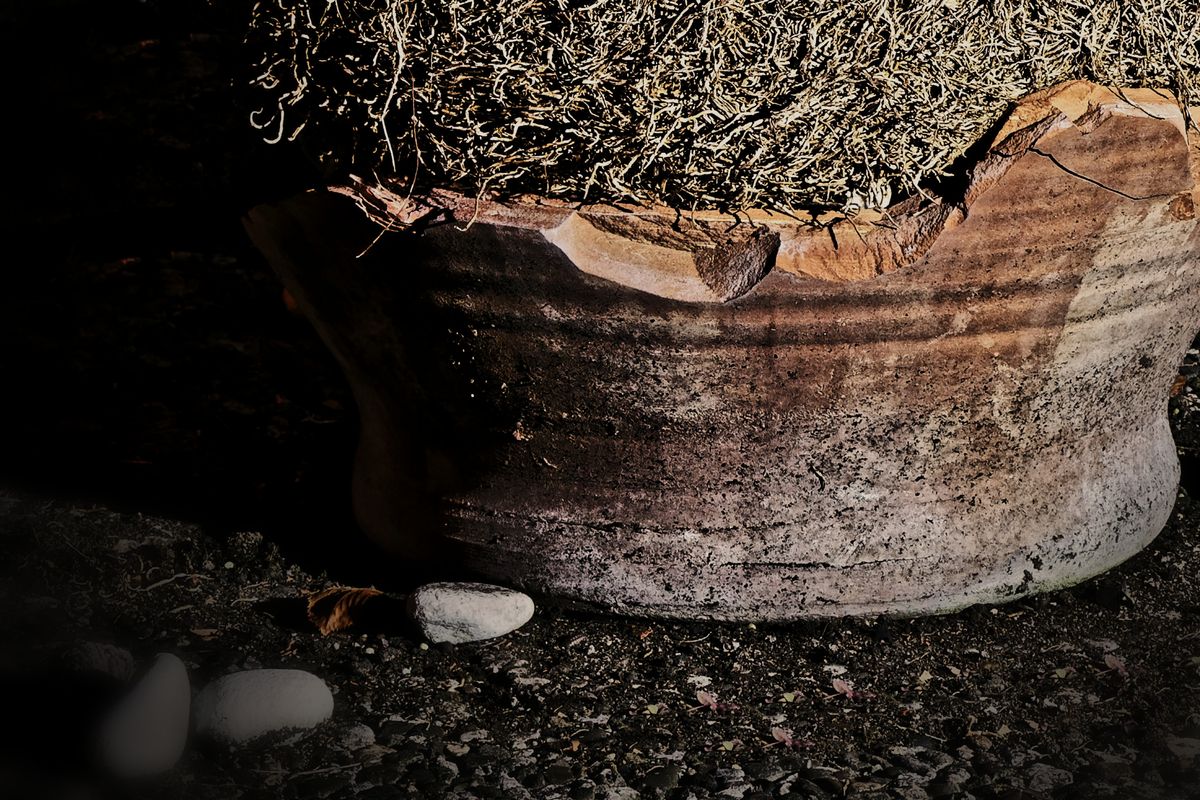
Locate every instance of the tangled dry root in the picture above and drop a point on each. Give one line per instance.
(718, 104)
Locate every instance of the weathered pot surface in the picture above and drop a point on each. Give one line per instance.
(960, 400)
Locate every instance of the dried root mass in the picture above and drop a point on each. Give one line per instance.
(721, 104)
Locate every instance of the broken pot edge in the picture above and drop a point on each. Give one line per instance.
(711, 256)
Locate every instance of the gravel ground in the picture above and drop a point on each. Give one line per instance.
(1090, 692)
(175, 456)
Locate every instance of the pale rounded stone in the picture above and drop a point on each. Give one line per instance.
(147, 731)
(244, 706)
(468, 612)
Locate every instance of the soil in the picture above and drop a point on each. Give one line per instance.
(176, 451)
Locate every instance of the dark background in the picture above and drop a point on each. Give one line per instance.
(150, 361)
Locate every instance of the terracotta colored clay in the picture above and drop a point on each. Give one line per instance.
(959, 400)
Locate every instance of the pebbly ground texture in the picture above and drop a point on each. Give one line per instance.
(175, 453)
(1088, 692)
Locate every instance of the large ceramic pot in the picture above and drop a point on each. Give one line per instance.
(959, 400)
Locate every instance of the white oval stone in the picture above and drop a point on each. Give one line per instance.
(468, 612)
(241, 707)
(145, 734)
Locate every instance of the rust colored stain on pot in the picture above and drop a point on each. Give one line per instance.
(961, 402)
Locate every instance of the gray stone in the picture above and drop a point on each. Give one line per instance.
(1044, 779)
(146, 732)
(664, 778)
(468, 612)
(621, 793)
(245, 706)
(1185, 749)
(911, 791)
(356, 737)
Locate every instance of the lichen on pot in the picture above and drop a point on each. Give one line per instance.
(961, 399)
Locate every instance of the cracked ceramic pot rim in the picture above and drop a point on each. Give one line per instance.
(714, 256)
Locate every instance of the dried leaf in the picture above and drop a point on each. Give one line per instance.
(844, 688)
(709, 700)
(782, 735)
(206, 633)
(339, 607)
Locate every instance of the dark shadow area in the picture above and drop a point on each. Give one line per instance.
(289, 613)
(382, 615)
(955, 181)
(151, 364)
(1189, 478)
(37, 751)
